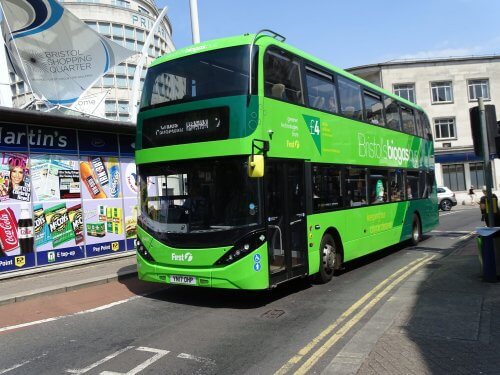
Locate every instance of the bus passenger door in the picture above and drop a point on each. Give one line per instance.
(286, 219)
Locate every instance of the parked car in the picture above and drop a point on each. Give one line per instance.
(446, 198)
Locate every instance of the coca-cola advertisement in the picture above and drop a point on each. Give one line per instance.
(14, 177)
(16, 237)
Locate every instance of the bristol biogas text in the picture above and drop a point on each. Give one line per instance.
(381, 148)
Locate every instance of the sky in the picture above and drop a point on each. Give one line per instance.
(351, 33)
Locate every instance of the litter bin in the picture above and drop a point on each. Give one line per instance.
(488, 243)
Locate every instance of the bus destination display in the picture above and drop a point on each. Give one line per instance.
(195, 126)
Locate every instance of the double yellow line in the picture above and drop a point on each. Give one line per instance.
(345, 322)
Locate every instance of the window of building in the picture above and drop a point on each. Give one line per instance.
(20, 88)
(445, 128)
(93, 25)
(13, 90)
(123, 106)
(374, 113)
(356, 186)
(129, 32)
(117, 30)
(121, 3)
(321, 90)
(454, 176)
(282, 77)
(121, 82)
(140, 35)
(351, 104)
(392, 114)
(143, 10)
(130, 44)
(327, 193)
(478, 88)
(110, 106)
(104, 28)
(108, 81)
(405, 90)
(442, 92)
(477, 174)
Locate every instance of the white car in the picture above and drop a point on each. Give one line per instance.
(446, 198)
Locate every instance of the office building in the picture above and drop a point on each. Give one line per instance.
(446, 88)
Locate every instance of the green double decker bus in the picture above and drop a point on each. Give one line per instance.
(258, 163)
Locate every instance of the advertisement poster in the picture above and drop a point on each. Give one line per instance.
(14, 177)
(130, 188)
(16, 237)
(55, 177)
(58, 228)
(102, 205)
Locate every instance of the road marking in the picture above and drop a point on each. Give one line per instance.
(105, 359)
(4, 371)
(159, 353)
(36, 322)
(467, 236)
(393, 280)
(207, 361)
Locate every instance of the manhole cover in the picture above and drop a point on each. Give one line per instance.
(273, 314)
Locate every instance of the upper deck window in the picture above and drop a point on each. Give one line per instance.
(321, 90)
(282, 77)
(350, 99)
(218, 73)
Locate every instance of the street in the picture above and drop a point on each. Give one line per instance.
(131, 327)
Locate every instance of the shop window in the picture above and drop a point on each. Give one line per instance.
(454, 176)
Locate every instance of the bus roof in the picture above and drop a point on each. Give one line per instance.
(265, 40)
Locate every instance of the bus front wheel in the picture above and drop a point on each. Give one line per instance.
(329, 259)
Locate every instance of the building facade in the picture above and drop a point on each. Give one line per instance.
(446, 89)
(127, 22)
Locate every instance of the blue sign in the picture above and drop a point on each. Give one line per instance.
(13, 137)
(17, 262)
(127, 145)
(59, 255)
(256, 258)
(105, 248)
(130, 244)
(51, 140)
(94, 143)
(257, 267)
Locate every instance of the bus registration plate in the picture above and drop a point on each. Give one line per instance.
(186, 280)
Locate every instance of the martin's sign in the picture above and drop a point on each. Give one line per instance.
(37, 139)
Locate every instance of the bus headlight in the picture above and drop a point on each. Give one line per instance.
(142, 251)
(242, 248)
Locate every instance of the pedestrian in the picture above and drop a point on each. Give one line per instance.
(472, 195)
(484, 207)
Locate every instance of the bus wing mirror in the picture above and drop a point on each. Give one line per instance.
(256, 166)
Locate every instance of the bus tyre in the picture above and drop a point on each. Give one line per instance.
(416, 231)
(329, 259)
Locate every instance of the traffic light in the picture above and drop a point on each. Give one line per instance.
(492, 135)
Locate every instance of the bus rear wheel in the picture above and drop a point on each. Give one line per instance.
(416, 231)
(329, 259)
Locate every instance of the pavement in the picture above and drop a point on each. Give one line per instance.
(65, 277)
(445, 322)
